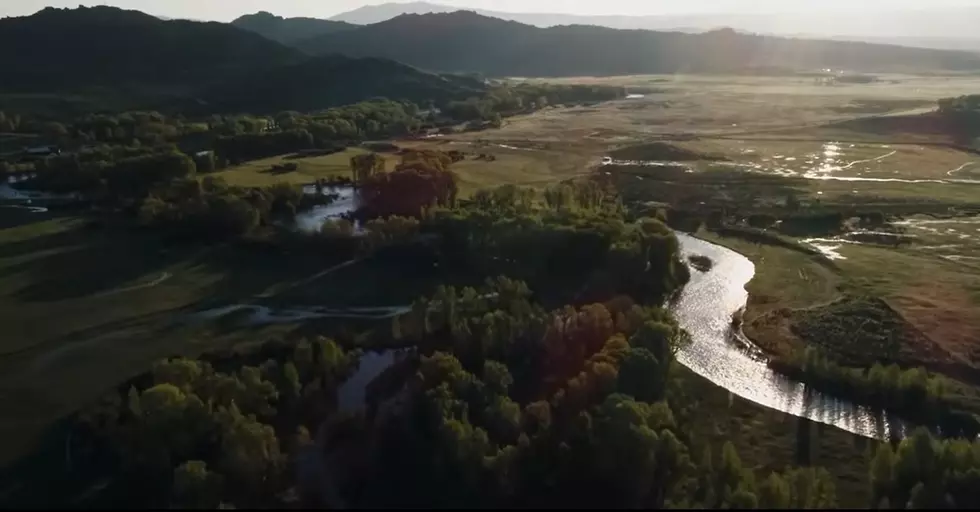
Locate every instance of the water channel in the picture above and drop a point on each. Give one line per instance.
(723, 356)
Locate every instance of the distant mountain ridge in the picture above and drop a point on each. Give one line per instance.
(96, 46)
(113, 52)
(289, 30)
(945, 29)
(464, 41)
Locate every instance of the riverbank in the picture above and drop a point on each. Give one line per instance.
(704, 309)
(797, 301)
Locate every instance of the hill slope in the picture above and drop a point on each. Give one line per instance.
(57, 49)
(336, 80)
(466, 41)
(288, 30)
(103, 58)
(942, 27)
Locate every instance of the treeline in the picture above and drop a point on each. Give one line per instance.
(208, 209)
(580, 235)
(926, 473)
(505, 100)
(289, 132)
(194, 435)
(116, 175)
(576, 236)
(963, 110)
(914, 394)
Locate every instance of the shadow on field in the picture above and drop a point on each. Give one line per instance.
(83, 260)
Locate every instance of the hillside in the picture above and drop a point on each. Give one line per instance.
(59, 49)
(940, 27)
(335, 80)
(466, 41)
(288, 30)
(103, 58)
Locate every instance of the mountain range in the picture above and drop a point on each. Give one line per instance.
(470, 42)
(138, 60)
(262, 62)
(289, 30)
(948, 28)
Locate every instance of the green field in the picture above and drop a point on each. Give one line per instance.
(529, 167)
(260, 173)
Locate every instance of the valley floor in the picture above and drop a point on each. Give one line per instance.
(85, 308)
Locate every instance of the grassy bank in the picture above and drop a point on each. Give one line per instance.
(785, 280)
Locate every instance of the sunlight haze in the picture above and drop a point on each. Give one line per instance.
(226, 11)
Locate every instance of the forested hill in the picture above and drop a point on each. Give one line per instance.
(289, 30)
(56, 49)
(466, 41)
(335, 80)
(106, 58)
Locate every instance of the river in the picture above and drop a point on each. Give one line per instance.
(704, 308)
(344, 203)
(721, 355)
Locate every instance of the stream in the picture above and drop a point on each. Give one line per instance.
(704, 308)
(723, 356)
(345, 202)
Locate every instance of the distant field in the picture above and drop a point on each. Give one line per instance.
(530, 167)
(259, 173)
(694, 104)
(511, 165)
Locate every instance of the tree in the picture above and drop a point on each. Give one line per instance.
(882, 473)
(365, 166)
(642, 376)
(195, 487)
(250, 450)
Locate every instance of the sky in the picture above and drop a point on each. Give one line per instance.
(226, 10)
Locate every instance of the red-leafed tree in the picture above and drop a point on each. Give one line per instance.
(422, 180)
(573, 337)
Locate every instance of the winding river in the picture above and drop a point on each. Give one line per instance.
(724, 357)
(704, 308)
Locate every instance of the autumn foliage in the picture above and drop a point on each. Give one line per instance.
(422, 180)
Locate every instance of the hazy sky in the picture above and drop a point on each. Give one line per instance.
(225, 10)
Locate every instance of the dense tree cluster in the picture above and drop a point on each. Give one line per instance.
(963, 110)
(113, 175)
(914, 393)
(197, 436)
(504, 100)
(421, 181)
(515, 406)
(209, 208)
(252, 146)
(579, 237)
(926, 473)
